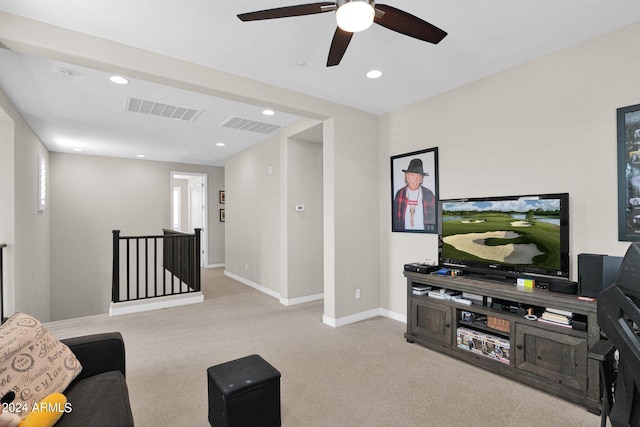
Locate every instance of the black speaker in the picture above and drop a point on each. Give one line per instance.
(563, 286)
(596, 272)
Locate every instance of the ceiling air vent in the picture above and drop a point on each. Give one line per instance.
(250, 125)
(161, 110)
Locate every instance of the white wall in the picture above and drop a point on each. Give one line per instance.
(546, 126)
(351, 172)
(25, 230)
(305, 264)
(7, 208)
(350, 149)
(92, 196)
(252, 215)
(274, 248)
(217, 229)
(268, 239)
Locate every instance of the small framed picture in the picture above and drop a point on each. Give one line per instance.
(221, 215)
(221, 196)
(414, 192)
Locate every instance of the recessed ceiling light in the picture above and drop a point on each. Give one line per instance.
(374, 74)
(119, 80)
(77, 149)
(268, 112)
(220, 144)
(140, 156)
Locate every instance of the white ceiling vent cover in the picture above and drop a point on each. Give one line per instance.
(161, 110)
(250, 125)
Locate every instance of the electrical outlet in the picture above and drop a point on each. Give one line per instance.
(246, 266)
(357, 293)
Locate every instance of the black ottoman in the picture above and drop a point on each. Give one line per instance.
(244, 393)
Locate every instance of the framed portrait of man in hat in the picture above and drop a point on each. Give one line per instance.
(414, 192)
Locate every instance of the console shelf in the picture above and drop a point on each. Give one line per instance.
(550, 357)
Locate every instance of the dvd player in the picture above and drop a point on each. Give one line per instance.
(418, 267)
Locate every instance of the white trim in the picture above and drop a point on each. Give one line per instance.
(272, 293)
(204, 234)
(254, 285)
(325, 319)
(358, 317)
(138, 306)
(301, 300)
(214, 265)
(353, 318)
(393, 315)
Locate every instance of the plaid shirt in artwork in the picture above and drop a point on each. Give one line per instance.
(401, 202)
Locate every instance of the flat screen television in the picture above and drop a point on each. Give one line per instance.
(506, 237)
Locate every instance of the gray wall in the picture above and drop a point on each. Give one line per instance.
(90, 197)
(22, 227)
(253, 215)
(293, 255)
(350, 141)
(217, 229)
(275, 248)
(546, 126)
(7, 204)
(304, 229)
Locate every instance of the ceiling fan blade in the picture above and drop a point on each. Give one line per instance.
(287, 11)
(408, 24)
(339, 46)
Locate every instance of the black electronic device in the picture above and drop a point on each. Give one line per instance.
(419, 267)
(596, 272)
(563, 286)
(506, 236)
(619, 319)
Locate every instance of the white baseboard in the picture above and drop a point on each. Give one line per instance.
(214, 265)
(253, 285)
(325, 319)
(301, 300)
(272, 293)
(358, 317)
(393, 315)
(118, 308)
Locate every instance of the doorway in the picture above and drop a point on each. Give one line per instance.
(189, 206)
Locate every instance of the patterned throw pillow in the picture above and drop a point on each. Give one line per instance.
(33, 364)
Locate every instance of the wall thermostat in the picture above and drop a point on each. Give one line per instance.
(300, 208)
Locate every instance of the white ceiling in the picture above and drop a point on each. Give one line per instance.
(85, 111)
(485, 37)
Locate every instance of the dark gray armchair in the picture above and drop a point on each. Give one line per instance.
(98, 395)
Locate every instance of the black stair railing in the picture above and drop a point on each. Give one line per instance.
(155, 266)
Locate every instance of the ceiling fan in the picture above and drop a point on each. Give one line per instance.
(353, 16)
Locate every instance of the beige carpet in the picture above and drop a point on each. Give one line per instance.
(364, 374)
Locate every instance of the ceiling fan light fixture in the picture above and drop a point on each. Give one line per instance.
(355, 15)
